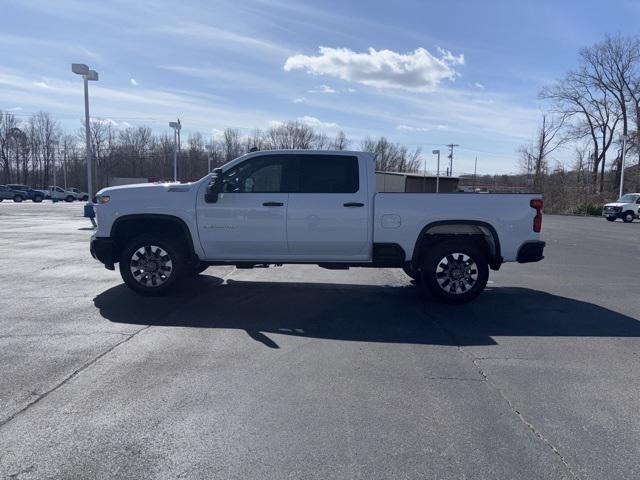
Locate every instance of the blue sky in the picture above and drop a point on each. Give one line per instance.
(423, 73)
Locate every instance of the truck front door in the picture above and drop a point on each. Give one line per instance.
(248, 222)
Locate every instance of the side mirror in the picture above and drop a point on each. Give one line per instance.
(214, 187)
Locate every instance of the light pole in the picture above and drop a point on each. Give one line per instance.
(622, 154)
(176, 132)
(87, 74)
(437, 152)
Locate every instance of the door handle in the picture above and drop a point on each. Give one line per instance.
(272, 204)
(354, 204)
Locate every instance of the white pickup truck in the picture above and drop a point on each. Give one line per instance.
(315, 207)
(626, 207)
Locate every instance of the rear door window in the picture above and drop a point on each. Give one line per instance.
(328, 174)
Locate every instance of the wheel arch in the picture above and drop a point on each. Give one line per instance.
(434, 231)
(129, 226)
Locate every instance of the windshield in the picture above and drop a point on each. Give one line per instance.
(628, 198)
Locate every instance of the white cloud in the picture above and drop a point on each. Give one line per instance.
(222, 38)
(417, 71)
(479, 85)
(15, 109)
(316, 122)
(275, 123)
(111, 122)
(299, 100)
(323, 89)
(133, 82)
(409, 128)
(351, 90)
(41, 84)
(105, 121)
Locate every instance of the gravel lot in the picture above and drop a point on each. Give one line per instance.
(300, 373)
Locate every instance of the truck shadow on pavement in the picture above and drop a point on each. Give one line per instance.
(363, 313)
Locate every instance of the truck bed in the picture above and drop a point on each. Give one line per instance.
(399, 218)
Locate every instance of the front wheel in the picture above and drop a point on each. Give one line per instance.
(17, 198)
(455, 271)
(198, 268)
(152, 264)
(69, 198)
(628, 217)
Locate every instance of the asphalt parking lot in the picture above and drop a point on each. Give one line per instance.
(298, 372)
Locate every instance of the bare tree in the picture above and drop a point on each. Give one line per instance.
(341, 142)
(536, 155)
(8, 126)
(613, 65)
(589, 110)
(392, 157)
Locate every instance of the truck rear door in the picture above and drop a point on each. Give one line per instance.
(328, 215)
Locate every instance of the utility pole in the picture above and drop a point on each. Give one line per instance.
(475, 173)
(437, 152)
(451, 147)
(622, 154)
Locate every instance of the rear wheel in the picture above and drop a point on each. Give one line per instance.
(152, 264)
(611, 219)
(37, 198)
(628, 216)
(17, 198)
(455, 271)
(69, 198)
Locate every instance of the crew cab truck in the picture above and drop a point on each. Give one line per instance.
(314, 207)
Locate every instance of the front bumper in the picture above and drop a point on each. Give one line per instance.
(612, 213)
(531, 251)
(101, 249)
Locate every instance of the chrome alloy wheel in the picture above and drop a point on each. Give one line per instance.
(151, 266)
(457, 273)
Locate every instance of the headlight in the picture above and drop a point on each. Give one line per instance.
(103, 199)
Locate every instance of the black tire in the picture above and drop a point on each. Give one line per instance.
(611, 219)
(37, 198)
(198, 268)
(17, 198)
(414, 274)
(455, 271)
(154, 248)
(85, 198)
(628, 216)
(69, 198)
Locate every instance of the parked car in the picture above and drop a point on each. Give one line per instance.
(626, 208)
(59, 193)
(7, 193)
(275, 207)
(32, 193)
(84, 196)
